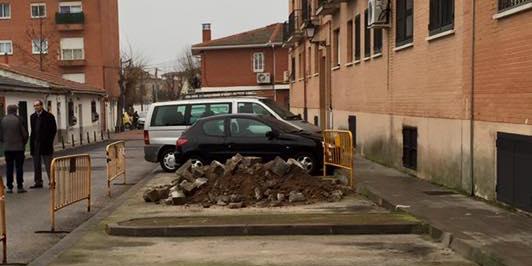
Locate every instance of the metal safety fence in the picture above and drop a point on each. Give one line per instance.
(116, 162)
(3, 226)
(70, 183)
(338, 151)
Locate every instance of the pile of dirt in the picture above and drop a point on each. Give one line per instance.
(246, 181)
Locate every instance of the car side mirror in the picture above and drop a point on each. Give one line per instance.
(272, 134)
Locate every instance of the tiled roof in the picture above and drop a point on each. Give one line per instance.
(5, 81)
(273, 33)
(54, 80)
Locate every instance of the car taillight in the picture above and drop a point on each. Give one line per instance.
(181, 141)
(146, 137)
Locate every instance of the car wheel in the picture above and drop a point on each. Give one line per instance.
(307, 161)
(168, 162)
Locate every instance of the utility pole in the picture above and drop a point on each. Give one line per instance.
(156, 84)
(41, 59)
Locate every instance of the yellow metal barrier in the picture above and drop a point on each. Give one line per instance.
(116, 162)
(338, 151)
(70, 182)
(3, 226)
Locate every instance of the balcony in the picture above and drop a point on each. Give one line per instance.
(70, 21)
(72, 63)
(328, 7)
(292, 28)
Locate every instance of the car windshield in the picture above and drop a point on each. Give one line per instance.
(272, 121)
(281, 111)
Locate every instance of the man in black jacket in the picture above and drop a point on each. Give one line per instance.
(43, 130)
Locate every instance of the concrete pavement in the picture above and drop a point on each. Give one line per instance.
(29, 213)
(484, 233)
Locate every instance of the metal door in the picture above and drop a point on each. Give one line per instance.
(514, 170)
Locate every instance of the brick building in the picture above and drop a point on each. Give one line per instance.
(78, 40)
(252, 62)
(440, 89)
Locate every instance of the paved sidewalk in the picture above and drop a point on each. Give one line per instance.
(479, 231)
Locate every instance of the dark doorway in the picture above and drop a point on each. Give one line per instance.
(23, 112)
(410, 147)
(352, 121)
(514, 170)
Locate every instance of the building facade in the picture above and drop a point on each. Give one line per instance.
(77, 40)
(438, 89)
(77, 108)
(253, 63)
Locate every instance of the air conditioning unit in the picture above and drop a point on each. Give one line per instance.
(379, 13)
(286, 76)
(264, 78)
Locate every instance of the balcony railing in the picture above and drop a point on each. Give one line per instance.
(328, 7)
(70, 18)
(292, 28)
(509, 4)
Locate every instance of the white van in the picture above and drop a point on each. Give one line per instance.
(166, 121)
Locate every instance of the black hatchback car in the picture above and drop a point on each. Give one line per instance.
(221, 137)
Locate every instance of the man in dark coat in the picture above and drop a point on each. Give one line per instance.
(43, 131)
(14, 136)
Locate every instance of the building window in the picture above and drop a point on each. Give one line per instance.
(6, 47)
(357, 37)
(293, 69)
(300, 67)
(5, 11)
(77, 77)
(38, 10)
(317, 58)
(70, 7)
(336, 51)
(39, 46)
(377, 41)
(410, 147)
(441, 16)
(258, 62)
(509, 4)
(367, 35)
(72, 49)
(404, 25)
(350, 50)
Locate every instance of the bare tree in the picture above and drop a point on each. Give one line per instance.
(133, 75)
(188, 74)
(39, 32)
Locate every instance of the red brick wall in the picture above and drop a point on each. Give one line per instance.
(233, 67)
(101, 36)
(503, 63)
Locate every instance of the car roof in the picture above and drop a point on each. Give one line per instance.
(207, 100)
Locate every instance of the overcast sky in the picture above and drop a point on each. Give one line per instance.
(161, 29)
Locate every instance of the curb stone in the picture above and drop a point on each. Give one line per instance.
(263, 230)
(477, 255)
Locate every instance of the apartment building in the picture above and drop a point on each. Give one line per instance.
(248, 63)
(77, 40)
(440, 89)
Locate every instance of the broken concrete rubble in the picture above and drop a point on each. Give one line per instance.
(245, 181)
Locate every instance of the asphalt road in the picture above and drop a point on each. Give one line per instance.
(29, 213)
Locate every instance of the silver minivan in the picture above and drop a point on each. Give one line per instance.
(166, 121)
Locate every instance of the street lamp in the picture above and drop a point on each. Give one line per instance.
(311, 31)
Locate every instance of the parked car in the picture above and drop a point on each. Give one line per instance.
(165, 122)
(223, 136)
(142, 120)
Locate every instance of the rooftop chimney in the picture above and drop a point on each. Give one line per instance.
(206, 32)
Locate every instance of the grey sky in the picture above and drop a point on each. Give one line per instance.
(161, 29)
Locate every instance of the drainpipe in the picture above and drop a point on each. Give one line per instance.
(472, 103)
(305, 106)
(274, 72)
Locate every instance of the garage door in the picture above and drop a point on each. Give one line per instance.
(514, 170)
